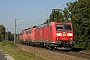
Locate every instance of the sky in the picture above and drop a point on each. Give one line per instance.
(27, 12)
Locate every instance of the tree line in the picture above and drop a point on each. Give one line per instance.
(5, 35)
(77, 12)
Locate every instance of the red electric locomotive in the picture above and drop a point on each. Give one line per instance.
(51, 35)
(23, 36)
(27, 36)
(55, 34)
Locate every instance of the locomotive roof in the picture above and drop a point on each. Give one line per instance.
(42, 25)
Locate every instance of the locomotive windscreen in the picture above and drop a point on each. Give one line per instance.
(63, 27)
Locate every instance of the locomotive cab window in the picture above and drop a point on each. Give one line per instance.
(63, 27)
(59, 27)
(67, 27)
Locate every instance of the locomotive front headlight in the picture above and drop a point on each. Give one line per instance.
(59, 34)
(57, 38)
(71, 39)
(69, 34)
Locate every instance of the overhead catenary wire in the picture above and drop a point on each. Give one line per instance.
(43, 15)
(39, 18)
(44, 11)
(50, 10)
(39, 13)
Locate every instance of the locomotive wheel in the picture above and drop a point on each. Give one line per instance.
(51, 47)
(47, 47)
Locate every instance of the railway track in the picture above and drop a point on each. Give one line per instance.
(77, 54)
(71, 53)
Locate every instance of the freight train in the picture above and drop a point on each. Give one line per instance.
(51, 35)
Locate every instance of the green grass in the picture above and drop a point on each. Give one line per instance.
(17, 53)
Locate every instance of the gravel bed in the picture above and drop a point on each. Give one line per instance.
(49, 55)
(85, 51)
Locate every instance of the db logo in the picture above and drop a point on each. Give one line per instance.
(64, 34)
